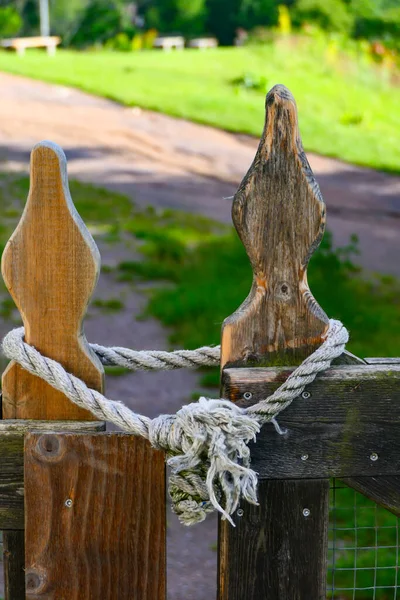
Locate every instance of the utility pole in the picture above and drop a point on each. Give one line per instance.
(44, 18)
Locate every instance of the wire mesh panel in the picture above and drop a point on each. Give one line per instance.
(363, 554)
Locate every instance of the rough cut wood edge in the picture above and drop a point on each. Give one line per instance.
(50, 266)
(384, 490)
(95, 517)
(22, 426)
(346, 415)
(279, 214)
(382, 361)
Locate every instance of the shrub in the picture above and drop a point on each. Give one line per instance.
(10, 22)
(120, 42)
(330, 15)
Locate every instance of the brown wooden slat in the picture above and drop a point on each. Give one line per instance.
(110, 543)
(385, 491)
(274, 547)
(351, 413)
(12, 463)
(279, 215)
(50, 266)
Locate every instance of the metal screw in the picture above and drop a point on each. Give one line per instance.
(306, 512)
(304, 457)
(247, 395)
(240, 512)
(68, 503)
(374, 456)
(306, 395)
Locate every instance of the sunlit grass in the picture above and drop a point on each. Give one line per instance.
(348, 109)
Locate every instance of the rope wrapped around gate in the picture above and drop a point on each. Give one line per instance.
(207, 441)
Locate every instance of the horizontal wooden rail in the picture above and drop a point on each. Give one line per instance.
(346, 423)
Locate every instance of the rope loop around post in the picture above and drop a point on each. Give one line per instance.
(206, 442)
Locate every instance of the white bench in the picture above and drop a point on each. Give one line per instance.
(169, 42)
(20, 44)
(203, 43)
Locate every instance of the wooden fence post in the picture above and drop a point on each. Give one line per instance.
(94, 503)
(279, 215)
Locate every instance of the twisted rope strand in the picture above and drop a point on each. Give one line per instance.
(156, 360)
(206, 441)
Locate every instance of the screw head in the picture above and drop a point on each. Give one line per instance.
(68, 503)
(306, 512)
(306, 395)
(374, 457)
(240, 512)
(304, 457)
(247, 395)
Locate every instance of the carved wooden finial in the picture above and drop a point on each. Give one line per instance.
(50, 266)
(279, 214)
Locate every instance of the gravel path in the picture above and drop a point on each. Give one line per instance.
(162, 161)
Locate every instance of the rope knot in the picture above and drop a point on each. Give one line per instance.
(207, 445)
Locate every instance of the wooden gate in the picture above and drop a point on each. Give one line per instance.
(67, 487)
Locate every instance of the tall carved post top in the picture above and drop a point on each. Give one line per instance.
(279, 214)
(50, 266)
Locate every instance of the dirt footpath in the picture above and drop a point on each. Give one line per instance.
(166, 162)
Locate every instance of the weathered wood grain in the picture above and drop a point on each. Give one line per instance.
(12, 463)
(350, 413)
(96, 523)
(275, 546)
(382, 361)
(384, 490)
(14, 564)
(279, 215)
(50, 266)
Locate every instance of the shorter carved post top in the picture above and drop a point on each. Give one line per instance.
(50, 266)
(279, 214)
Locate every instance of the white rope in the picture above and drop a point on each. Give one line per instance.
(157, 360)
(206, 441)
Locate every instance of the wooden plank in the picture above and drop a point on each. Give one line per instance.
(50, 266)
(385, 491)
(95, 513)
(382, 361)
(14, 565)
(12, 463)
(349, 414)
(279, 215)
(272, 554)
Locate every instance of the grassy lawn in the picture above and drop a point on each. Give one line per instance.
(348, 108)
(191, 258)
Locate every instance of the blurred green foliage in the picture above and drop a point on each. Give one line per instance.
(85, 22)
(10, 22)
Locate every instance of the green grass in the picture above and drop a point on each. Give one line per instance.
(347, 107)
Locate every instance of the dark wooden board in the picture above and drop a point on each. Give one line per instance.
(384, 490)
(352, 413)
(110, 543)
(14, 565)
(275, 551)
(279, 214)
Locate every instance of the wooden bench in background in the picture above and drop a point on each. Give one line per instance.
(20, 44)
